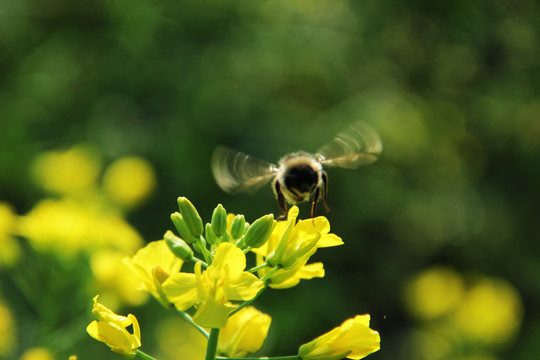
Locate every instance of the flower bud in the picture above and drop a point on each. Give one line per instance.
(210, 235)
(219, 220)
(259, 232)
(178, 246)
(238, 227)
(191, 217)
(181, 226)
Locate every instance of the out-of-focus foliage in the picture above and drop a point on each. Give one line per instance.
(451, 87)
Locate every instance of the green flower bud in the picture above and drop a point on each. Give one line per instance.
(238, 227)
(210, 235)
(219, 220)
(191, 216)
(181, 226)
(259, 232)
(178, 246)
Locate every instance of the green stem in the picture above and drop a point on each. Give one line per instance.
(190, 320)
(270, 273)
(207, 255)
(144, 355)
(258, 267)
(196, 259)
(291, 357)
(246, 303)
(211, 347)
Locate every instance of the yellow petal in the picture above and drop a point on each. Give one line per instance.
(212, 314)
(229, 255)
(329, 240)
(181, 289)
(243, 287)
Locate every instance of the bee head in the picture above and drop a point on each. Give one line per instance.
(300, 176)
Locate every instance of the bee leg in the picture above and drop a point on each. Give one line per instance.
(281, 201)
(325, 190)
(314, 200)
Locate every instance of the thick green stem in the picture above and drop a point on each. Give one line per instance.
(211, 347)
(190, 320)
(144, 355)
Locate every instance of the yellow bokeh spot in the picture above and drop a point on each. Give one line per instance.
(128, 181)
(434, 292)
(69, 227)
(8, 244)
(173, 334)
(7, 331)
(37, 353)
(114, 276)
(491, 312)
(70, 172)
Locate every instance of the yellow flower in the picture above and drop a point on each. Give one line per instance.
(173, 333)
(353, 340)
(68, 227)
(129, 180)
(291, 244)
(114, 282)
(153, 264)
(110, 328)
(245, 333)
(37, 353)
(211, 290)
(8, 243)
(434, 292)
(490, 312)
(7, 331)
(67, 172)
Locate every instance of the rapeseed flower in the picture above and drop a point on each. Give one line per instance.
(245, 333)
(70, 172)
(129, 180)
(212, 290)
(153, 264)
(9, 245)
(353, 340)
(7, 331)
(111, 329)
(290, 246)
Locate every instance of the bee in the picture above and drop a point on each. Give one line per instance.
(299, 176)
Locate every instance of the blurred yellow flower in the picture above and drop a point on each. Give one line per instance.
(153, 264)
(129, 180)
(113, 280)
(353, 340)
(174, 333)
(291, 244)
(8, 244)
(244, 333)
(72, 172)
(69, 227)
(213, 288)
(37, 353)
(7, 331)
(434, 292)
(110, 328)
(491, 311)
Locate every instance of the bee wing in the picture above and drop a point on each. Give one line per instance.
(358, 145)
(237, 172)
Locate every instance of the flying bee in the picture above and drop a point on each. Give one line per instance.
(298, 176)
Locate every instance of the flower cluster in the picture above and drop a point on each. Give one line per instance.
(202, 274)
(461, 315)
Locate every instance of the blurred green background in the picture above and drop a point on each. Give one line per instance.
(453, 89)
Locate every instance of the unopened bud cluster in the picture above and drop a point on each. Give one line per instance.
(206, 238)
